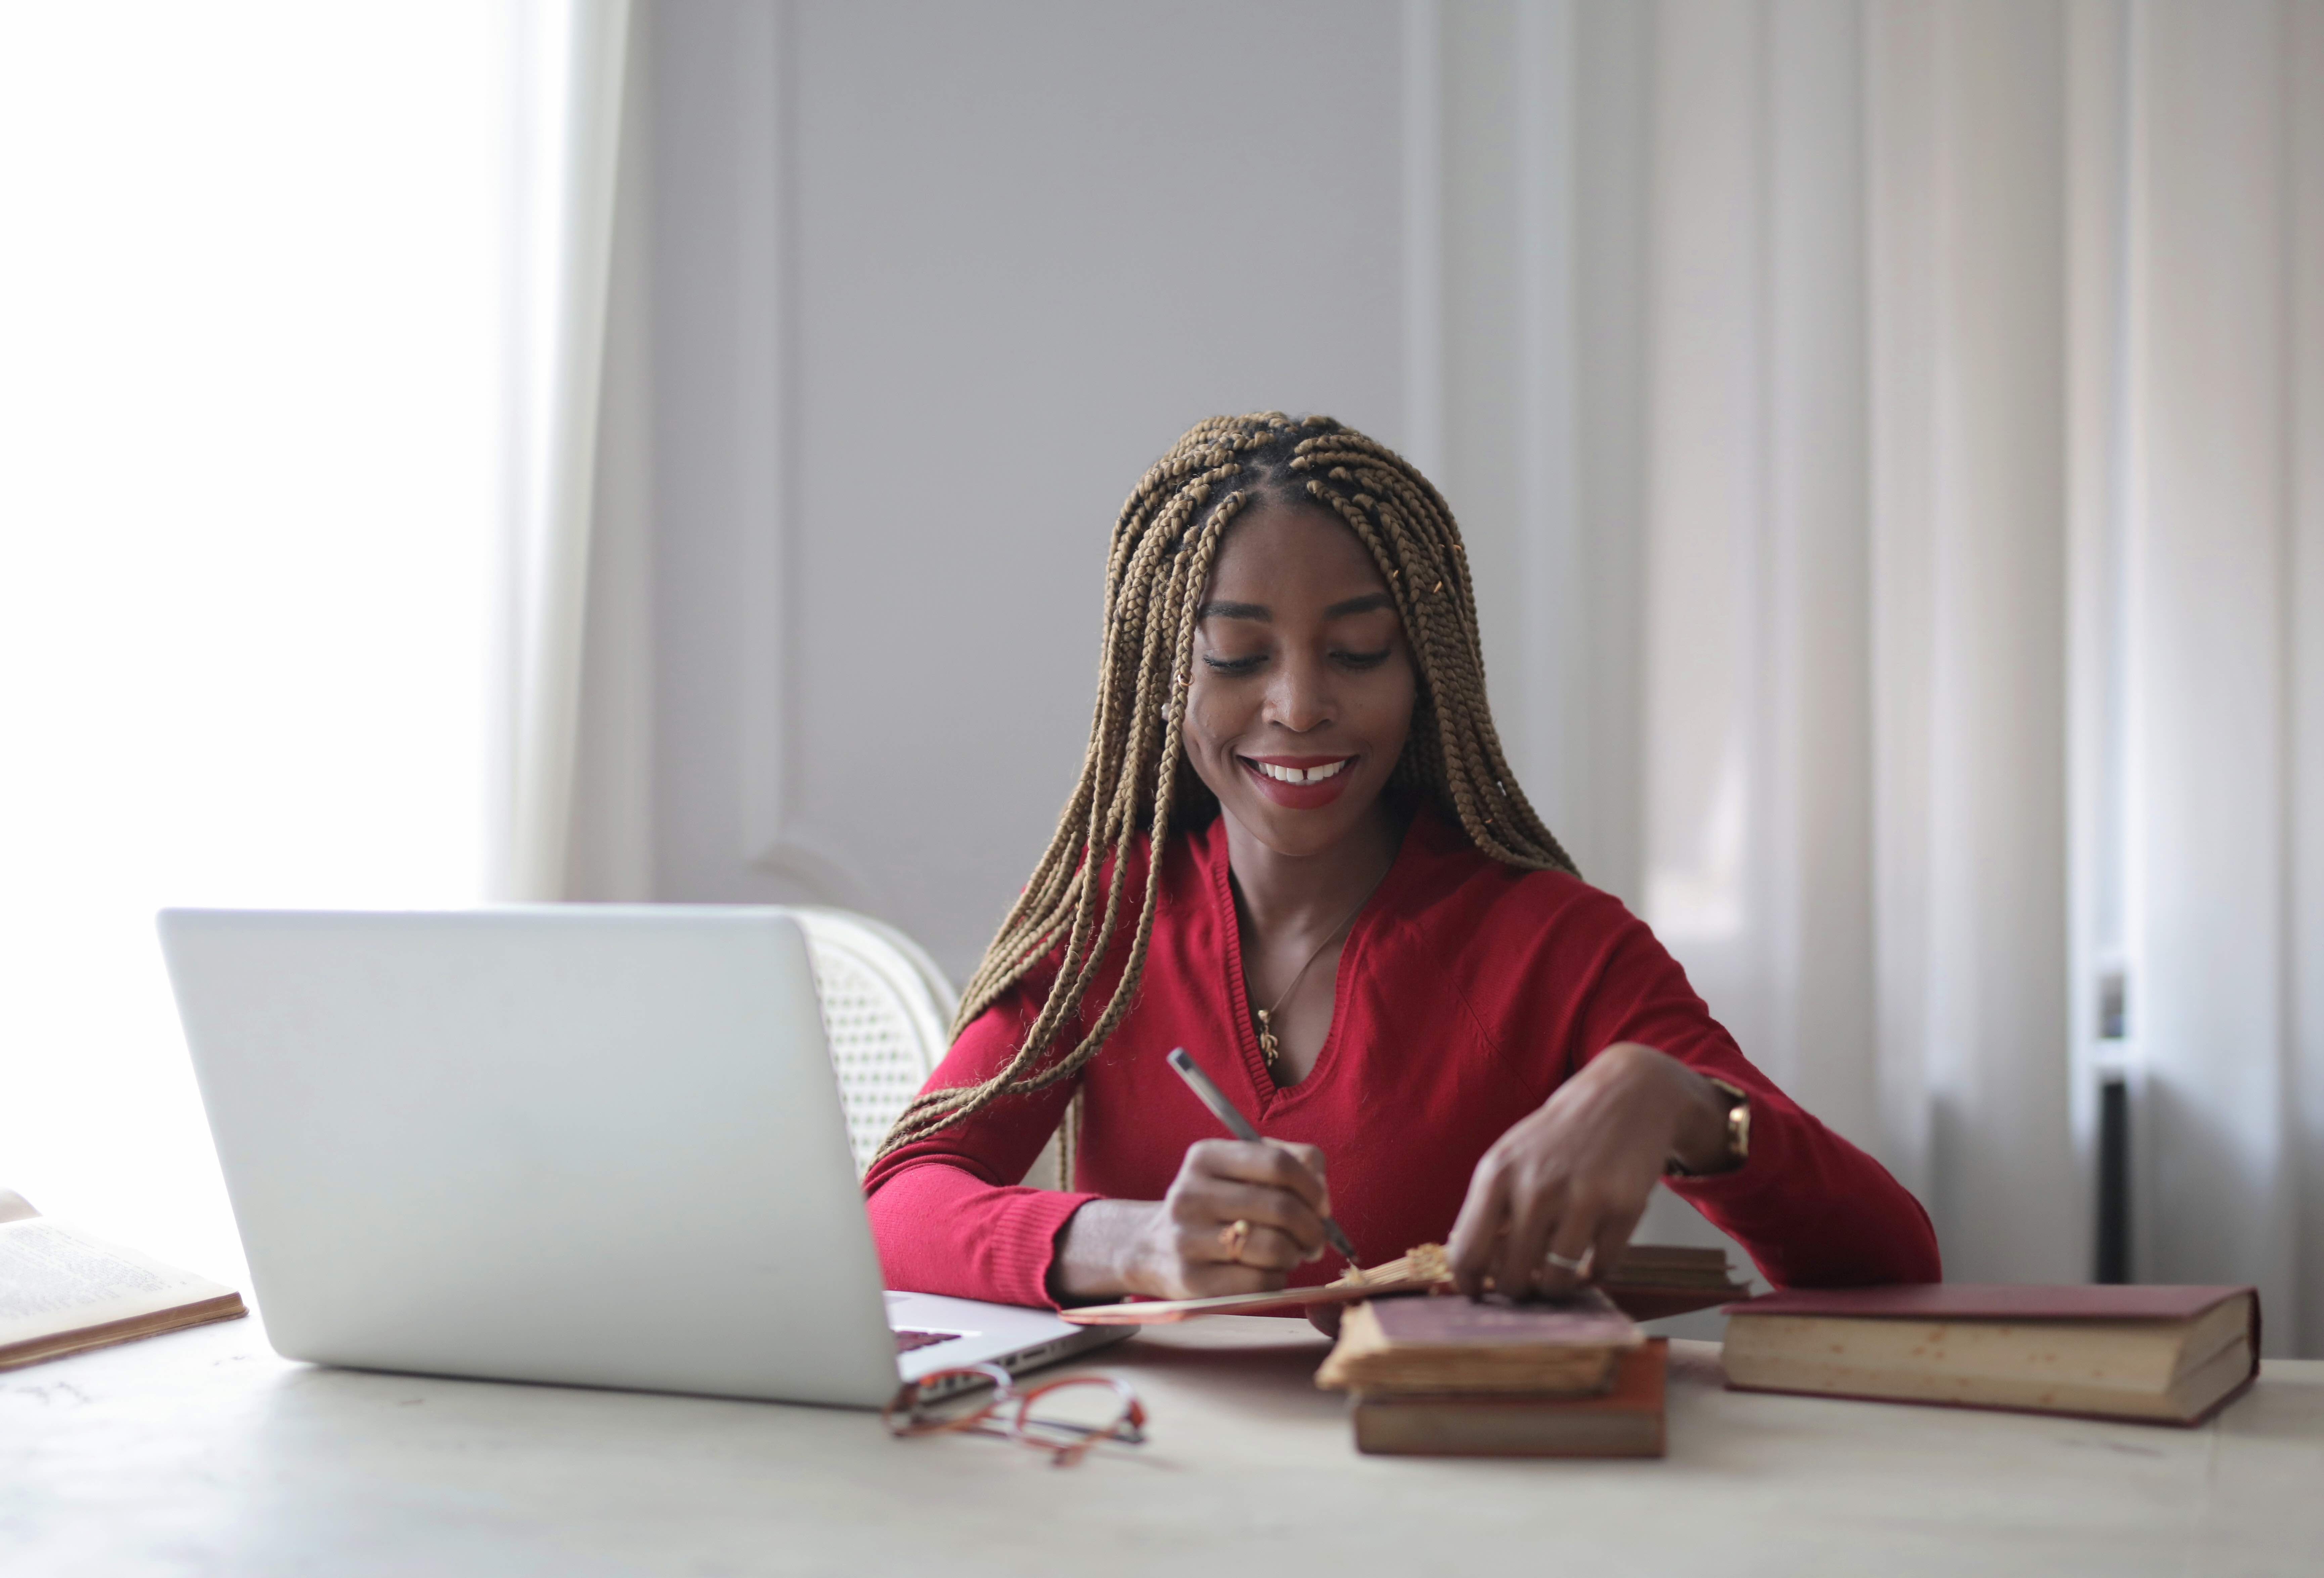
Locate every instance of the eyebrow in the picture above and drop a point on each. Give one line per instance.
(1265, 615)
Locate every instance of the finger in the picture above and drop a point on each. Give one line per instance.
(1218, 1204)
(1536, 1210)
(1259, 1163)
(1268, 1248)
(1257, 1244)
(1483, 1215)
(1311, 1157)
(1210, 1279)
(1613, 1236)
(1577, 1230)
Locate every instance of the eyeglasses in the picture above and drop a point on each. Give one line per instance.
(1107, 1410)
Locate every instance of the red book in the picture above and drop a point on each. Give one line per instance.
(1626, 1421)
(2166, 1354)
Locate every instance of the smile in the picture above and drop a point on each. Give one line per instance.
(1300, 782)
(1289, 774)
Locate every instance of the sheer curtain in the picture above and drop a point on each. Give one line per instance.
(570, 133)
(250, 301)
(1973, 491)
(305, 311)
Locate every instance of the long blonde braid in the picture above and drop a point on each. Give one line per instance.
(1135, 778)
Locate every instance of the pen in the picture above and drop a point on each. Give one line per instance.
(1239, 1126)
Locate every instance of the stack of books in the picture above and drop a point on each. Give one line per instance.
(1444, 1375)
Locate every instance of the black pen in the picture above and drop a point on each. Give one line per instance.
(1239, 1126)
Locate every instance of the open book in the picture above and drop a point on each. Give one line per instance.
(62, 1291)
(1652, 1280)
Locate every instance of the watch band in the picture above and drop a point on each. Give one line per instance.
(1738, 1135)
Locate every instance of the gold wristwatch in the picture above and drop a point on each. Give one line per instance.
(1739, 1136)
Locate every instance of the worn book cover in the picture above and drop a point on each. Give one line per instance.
(1627, 1420)
(1492, 1345)
(2161, 1353)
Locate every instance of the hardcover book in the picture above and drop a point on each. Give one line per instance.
(1457, 1345)
(2167, 1354)
(1624, 1421)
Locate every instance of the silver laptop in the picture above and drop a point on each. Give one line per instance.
(593, 1144)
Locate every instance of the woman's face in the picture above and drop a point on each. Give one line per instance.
(1302, 690)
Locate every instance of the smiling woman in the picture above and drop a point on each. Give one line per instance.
(1347, 912)
(1297, 714)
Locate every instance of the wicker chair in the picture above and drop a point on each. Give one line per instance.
(886, 1011)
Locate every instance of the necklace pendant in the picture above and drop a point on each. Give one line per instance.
(1267, 1044)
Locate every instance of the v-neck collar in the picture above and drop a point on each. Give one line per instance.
(1369, 919)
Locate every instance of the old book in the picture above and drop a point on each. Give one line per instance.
(1454, 1344)
(1416, 1271)
(1623, 1421)
(2170, 1354)
(1672, 1265)
(1652, 1280)
(62, 1291)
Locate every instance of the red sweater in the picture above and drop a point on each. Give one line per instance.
(1468, 991)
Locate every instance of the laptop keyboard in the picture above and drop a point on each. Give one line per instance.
(906, 1341)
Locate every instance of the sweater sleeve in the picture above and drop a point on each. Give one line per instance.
(1813, 1210)
(947, 1211)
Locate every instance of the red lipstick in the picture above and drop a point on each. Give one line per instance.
(1313, 793)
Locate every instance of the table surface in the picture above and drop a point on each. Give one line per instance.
(203, 1452)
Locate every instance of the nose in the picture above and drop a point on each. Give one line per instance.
(1302, 699)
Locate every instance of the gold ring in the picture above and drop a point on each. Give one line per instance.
(1233, 1235)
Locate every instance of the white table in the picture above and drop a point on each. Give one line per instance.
(203, 1452)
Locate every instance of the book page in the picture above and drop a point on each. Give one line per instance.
(55, 1279)
(14, 1206)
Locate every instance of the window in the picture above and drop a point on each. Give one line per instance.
(252, 401)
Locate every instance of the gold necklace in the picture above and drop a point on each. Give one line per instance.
(1267, 1044)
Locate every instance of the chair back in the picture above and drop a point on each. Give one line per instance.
(887, 1010)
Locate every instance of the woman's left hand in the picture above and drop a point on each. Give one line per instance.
(1575, 1176)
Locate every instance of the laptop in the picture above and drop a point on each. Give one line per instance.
(599, 1145)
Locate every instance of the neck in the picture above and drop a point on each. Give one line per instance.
(1297, 893)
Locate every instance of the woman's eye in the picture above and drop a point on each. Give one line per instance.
(1234, 666)
(1362, 660)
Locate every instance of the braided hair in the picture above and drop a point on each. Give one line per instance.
(1136, 779)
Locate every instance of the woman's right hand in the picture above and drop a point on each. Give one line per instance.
(1184, 1246)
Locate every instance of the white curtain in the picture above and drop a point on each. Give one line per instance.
(572, 61)
(2221, 562)
(1974, 484)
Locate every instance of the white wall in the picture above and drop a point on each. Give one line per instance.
(933, 287)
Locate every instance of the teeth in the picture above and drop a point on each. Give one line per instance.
(1302, 774)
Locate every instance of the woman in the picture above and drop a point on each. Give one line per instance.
(1296, 850)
